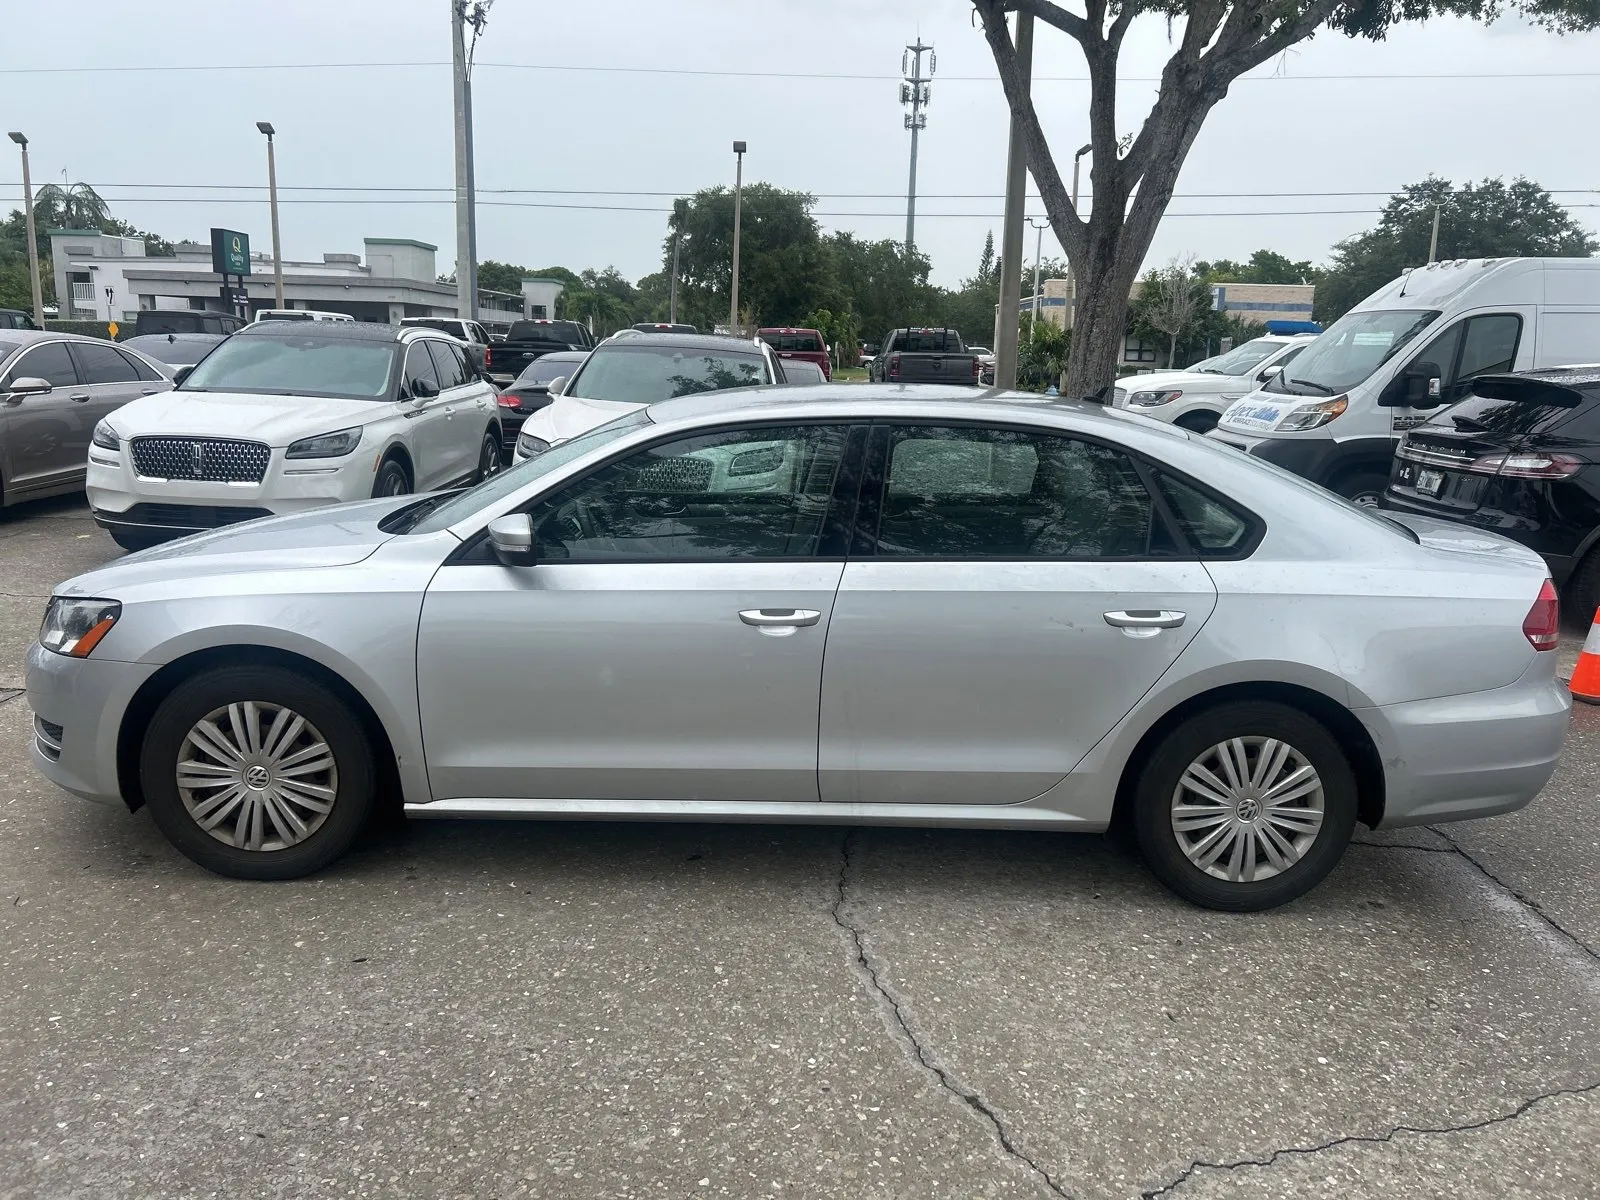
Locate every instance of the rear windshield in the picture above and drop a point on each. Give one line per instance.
(183, 322)
(936, 341)
(442, 324)
(808, 342)
(1478, 414)
(171, 351)
(651, 374)
(285, 316)
(565, 332)
(547, 369)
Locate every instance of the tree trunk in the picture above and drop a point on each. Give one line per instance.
(1172, 350)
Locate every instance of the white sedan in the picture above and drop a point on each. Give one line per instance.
(284, 417)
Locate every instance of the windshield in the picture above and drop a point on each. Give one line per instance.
(1353, 347)
(306, 364)
(549, 368)
(651, 374)
(491, 491)
(1241, 360)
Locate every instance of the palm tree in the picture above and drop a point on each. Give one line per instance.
(70, 206)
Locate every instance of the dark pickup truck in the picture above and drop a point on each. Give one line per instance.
(924, 356)
(528, 340)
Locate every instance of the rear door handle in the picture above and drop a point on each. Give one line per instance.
(776, 618)
(79, 397)
(1145, 618)
(149, 391)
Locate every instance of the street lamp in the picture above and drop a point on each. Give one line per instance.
(738, 205)
(33, 238)
(1072, 276)
(1038, 253)
(272, 193)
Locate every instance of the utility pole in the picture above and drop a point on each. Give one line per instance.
(1433, 243)
(272, 196)
(462, 14)
(1005, 342)
(33, 237)
(915, 91)
(679, 211)
(1038, 253)
(738, 206)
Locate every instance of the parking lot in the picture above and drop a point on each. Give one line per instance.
(532, 1009)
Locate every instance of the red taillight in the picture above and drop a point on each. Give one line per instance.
(976, 369)
(894, 366)
(1526, 466)
(1542, 625)
(488, 356)
(507, 401)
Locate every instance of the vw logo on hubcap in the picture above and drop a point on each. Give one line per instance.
(257, 777)
(1249, 809)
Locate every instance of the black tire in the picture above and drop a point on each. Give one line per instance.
(392, 480)
(1583, 590)
(488, 456)
(131, 540)
(1197, 422)
(1362, 487)
(327, 718)
(1156, 789)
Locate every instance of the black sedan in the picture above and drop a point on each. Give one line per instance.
(1520, 456)
(530, 391)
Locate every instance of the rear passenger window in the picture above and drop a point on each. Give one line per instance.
(1211, 527)
(451, 366)
(998, 493)
(102, 364)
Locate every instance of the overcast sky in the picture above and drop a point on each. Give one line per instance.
(1334, 116)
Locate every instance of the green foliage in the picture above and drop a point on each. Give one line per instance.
(1150, 316)
(1491, 219)
(1042, 354)
(1264, 266)
(884, 286)
(500, 277)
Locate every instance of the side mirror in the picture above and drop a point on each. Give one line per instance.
(181, 374)
(557, 385)
(1267, 373)
(27, 385)
(1422, 384)
(511, 539)
(423, 389)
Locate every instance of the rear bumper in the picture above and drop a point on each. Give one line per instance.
(1476, 755)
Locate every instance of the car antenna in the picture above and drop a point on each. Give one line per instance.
(1407, 274)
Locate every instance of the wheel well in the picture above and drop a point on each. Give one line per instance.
(136, 719)
(1351, 735)
(399, 454)
(1365, 466)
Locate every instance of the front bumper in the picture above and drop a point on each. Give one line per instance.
(84, 699)
(1476, 755)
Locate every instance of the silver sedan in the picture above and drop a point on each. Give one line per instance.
(868, 604)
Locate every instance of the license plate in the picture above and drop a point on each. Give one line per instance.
(1430, 483)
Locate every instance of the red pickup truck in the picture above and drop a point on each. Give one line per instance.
(805, 344)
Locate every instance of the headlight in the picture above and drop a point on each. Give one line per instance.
(1313, 416)
(106, 438)
(325, 445)
(529, 446)
(1151, 399)
(74, 627)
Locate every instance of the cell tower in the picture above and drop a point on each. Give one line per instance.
(915, 91)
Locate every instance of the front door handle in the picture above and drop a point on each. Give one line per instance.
(1145, 618)
(79, 397)
(779, 618)
(150, 391)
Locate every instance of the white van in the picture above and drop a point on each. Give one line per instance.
(300, 314)
(1337, 412)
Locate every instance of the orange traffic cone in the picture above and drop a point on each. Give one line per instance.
(1585, 683)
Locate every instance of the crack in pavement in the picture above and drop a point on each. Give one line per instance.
(1373, 1139)
(925, 1059)
(13, 694)
(1521, 898)
(1402, 846)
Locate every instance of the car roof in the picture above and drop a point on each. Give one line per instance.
(176, 337)
(1578, 375)
(349, 331)
(691, 341)
(933, 401)
(28, 336)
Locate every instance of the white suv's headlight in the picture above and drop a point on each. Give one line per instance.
(1151, 399)
(326, 445)
(529, 446)
(74, 627)
(106, 437)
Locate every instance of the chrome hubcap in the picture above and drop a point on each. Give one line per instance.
(1247, 809)
(257, 776)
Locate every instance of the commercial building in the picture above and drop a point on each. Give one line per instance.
(102, 277)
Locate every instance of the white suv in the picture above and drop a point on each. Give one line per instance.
(284, 417)
(1196, 397)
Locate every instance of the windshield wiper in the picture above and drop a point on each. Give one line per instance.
(1209, 371)
(1323, 388)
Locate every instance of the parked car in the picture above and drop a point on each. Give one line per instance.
(471, 334)
(622, 375)
(734, 597)
(664, 327)
(151, 321)
(174, 350)
(300, 314)
(15, 318)
(924, 355)
(288, 416)
(800, 372)
(528, 340)
(1520, 456)
(1195, 397)
(1337, 413)
(54, 387)
(797, 345)
(531, 391)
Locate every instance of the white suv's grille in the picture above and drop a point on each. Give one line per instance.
(211, 460)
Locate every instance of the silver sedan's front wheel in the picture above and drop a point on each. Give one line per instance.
(259, 772)
(1245, 806)
(257, 776)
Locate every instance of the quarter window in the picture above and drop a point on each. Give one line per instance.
(1211, 527)
(419, 367)
(751, 493)
(49, 362)
(448, 362)
(998, 493)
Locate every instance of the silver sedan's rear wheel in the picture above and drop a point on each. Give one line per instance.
(1245, 806)
(257, 772)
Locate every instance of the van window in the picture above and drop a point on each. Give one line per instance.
(1350, 350)
(1477, 346)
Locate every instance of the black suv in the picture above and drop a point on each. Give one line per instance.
(1520, 456)
(15, 318)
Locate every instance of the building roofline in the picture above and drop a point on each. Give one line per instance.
(543, 279)
(80, 233)
(371, 241)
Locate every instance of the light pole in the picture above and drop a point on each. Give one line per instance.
(272, 195)
(33, 238)
(738, 206)
(680, 211)
(1072, 276)
(1038, 253)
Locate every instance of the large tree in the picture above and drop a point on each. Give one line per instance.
(1491, 219)
(1214, 42)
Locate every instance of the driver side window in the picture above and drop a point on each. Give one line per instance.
(1475, 346)
(741, 494)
